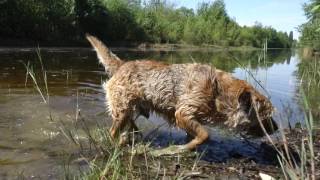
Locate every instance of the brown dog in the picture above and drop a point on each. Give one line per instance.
(188, 95)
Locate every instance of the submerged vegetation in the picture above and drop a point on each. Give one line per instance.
(155, 21)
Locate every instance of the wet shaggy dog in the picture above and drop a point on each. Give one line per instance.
(188, 95)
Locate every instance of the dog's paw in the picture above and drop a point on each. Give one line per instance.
(139, 149)
(130, 138)
(172, 150)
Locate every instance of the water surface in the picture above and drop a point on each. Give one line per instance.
(31, 142)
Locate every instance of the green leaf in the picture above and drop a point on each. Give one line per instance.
(315, 8)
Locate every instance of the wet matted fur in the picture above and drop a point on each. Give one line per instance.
(188, 95)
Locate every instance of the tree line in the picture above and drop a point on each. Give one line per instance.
(310, 31)
(154, 21)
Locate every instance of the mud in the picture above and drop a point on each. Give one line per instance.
(238, 166)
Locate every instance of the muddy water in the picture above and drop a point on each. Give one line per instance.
(32, 144)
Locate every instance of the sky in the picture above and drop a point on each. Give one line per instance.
(283, 15)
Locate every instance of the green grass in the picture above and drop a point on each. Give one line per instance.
(107, 160)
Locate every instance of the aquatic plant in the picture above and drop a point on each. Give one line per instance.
(309, 73)
(43, 91)
(302, 167)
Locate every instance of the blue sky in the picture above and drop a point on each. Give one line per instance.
(283, 15)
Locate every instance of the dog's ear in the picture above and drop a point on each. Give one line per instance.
(217, 90)
(245, 100)
(257, 110)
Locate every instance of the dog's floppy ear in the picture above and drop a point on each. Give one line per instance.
(257, 110)
(245, 100)
(216, 86)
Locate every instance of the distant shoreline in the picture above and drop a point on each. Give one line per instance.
(16, 44)
(29, 44)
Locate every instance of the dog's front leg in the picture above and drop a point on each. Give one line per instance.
(186, 120)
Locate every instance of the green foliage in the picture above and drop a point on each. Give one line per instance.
(310, 31)
(37, 18)
(153, 21)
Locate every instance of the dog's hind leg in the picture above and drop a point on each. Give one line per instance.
(133, 133)
(121, 112)
(123, 126)
(119, 121)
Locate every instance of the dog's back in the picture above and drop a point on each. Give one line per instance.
(178, 86)
(164, 88)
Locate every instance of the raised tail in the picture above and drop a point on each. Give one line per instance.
(110, 61)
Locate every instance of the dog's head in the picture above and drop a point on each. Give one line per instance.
(258, 110)
(253, 114)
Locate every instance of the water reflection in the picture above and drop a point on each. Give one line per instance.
(31, 142)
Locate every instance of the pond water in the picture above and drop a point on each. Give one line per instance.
(32, 144)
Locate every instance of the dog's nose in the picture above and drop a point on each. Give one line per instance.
(269, 125)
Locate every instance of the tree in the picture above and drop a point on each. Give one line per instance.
(155, 21)
(310, 31)
(291, 39)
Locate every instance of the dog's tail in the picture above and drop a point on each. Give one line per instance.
(110, 61)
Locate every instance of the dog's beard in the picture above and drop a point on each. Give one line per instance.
(261, 123)
(246, 121)
(237, 119)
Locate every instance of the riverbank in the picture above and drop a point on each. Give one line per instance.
(24, 43)
(192, 166)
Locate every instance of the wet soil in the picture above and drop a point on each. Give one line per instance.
(236, 166)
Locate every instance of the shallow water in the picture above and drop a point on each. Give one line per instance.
(31, 141)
